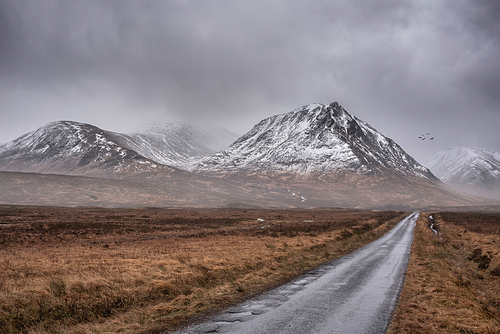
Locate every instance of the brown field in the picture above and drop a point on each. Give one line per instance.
(453, 279)
(95, 270)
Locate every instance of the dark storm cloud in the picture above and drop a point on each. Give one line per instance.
(483, 75)
(403, 66)
(185, 55)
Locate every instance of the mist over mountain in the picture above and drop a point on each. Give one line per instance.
(175, 144)
(475, 170)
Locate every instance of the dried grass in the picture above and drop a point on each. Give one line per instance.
(146, 270)
(445, 290)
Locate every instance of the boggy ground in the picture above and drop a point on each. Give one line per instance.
(453, 279)
(94, 270)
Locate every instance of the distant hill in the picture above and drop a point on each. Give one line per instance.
(475, 170)
(177, 145)
(67, 147)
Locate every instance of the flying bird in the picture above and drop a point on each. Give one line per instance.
(424, 137)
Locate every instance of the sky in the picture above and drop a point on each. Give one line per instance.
(405, 67)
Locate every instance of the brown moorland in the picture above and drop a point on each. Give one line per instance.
(453, 279)
(97, 270)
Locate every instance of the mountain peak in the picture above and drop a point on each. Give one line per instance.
(70, 147)
(177, 144)
(335, 118)
(315, 139)
(476, 170)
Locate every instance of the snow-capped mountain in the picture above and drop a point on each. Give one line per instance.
(175, 144)
(315, 139)
(315, 156)
(67, 147)
(475, 170)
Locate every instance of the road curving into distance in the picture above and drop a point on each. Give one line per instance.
(356, 293)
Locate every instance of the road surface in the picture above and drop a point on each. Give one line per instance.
(356, 293)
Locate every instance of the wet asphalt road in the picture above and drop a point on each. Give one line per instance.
(356, 293)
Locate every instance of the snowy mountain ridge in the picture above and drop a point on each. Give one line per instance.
(64, 146)
(67, 147)
(177, 145)
(313, 140)
(473, 169)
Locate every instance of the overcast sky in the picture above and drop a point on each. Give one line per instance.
(405, 67)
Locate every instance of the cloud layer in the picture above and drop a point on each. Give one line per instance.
(405, 67)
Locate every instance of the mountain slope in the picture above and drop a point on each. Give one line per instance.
(177, 145)
(179, 189)
(475, 170)
(67, 147)
(314, 140)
